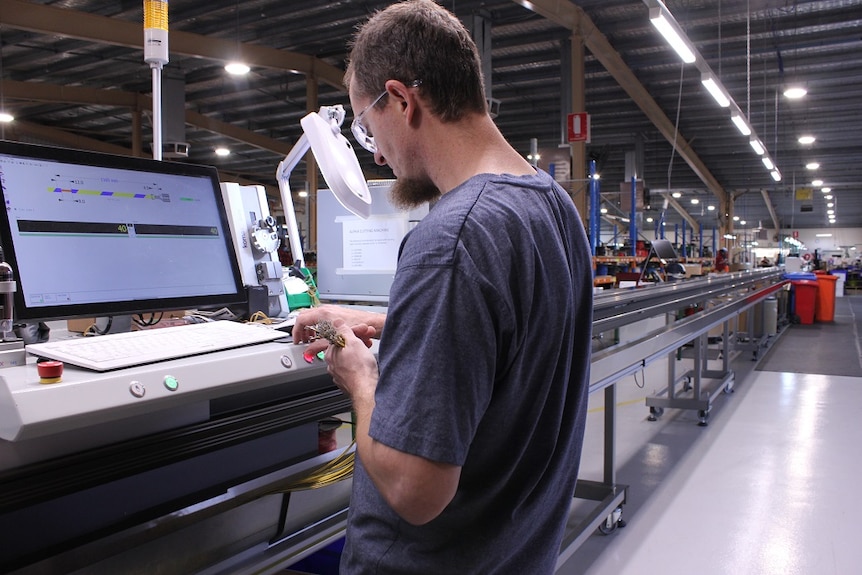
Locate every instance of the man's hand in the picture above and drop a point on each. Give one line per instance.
(353, 367)
(365, 325)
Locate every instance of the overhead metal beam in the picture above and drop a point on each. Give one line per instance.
(573, 17)
(237, 133)
(19, 129)
(681, 211)
(771, 208)
(73, 24)
(42, 92)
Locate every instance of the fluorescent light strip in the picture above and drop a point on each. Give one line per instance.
(715, 90)
(795, 92)
(666, 24)
(668, 28)
(757, 146)
(741, 124)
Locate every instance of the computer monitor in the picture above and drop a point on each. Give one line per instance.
(663, 249)
(357, 256)
(92, 235)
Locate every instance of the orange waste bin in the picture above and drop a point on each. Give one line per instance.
(825, 308)
(805, 295)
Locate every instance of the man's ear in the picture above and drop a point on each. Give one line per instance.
(407, 99)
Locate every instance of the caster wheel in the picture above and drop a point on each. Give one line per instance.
(703, 418)
(604, 529)
(728, 387)
(655, 413)
(686, 386)
(611, 522)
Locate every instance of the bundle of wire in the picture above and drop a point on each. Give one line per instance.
(260, 317)
(333, 471)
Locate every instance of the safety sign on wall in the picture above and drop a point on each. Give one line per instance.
(578, 127)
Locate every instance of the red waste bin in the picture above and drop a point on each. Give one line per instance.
(804, 300)
(825, 308)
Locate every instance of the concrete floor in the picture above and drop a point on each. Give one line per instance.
(765, 488)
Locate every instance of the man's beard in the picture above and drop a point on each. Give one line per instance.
(409, 193)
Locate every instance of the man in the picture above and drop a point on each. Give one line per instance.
(469, 429)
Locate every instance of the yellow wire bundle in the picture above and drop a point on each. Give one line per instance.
(260, 317)
(333, 471)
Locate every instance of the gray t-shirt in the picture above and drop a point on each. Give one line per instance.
(484, 363)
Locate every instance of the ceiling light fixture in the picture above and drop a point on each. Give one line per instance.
(825, 190)
(795, 92)
(6, 117)
(816, 183)
(221, 151)
(767, 163)
(812, 165)
(828, 196)
(806, 139)
(710, 208)
(677, 194)
(757, 146)
(741, 124)
(666, 24)
(695, 201)
(673, 33)
(237, 68)
(776, 175)
(716, 91)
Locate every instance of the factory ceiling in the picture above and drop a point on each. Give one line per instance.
(73, 74)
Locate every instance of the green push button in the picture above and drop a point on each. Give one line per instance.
(171, 383)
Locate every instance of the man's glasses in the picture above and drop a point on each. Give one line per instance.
(360, 132)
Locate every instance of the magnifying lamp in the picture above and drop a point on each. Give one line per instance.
(338, 164)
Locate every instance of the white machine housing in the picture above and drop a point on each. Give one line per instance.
(256, 242)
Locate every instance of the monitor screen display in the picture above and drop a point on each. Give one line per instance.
(357, 256)
(90, 234)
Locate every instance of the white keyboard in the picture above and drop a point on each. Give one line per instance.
(119, 350)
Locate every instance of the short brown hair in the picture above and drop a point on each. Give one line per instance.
(419, 40)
